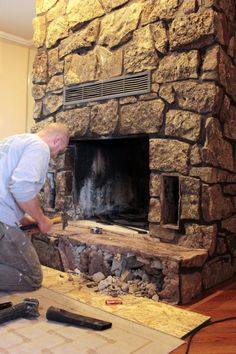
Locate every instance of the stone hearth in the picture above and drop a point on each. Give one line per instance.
(187, 193)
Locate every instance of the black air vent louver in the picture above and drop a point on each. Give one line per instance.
(101, 90)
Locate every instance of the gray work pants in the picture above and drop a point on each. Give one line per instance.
(20, 269)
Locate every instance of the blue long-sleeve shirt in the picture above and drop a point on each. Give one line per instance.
(24, 160)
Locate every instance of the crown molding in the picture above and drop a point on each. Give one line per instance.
(19, 40)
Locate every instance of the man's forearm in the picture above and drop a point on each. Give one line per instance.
(33, 208)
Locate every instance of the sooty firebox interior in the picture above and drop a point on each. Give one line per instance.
(112, 178)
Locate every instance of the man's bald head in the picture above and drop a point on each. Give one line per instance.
(56, 136)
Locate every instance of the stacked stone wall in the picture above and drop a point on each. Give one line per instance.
(190, 48)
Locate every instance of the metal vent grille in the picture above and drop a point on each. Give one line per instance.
(101, 90)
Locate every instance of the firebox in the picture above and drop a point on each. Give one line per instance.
(111, 178)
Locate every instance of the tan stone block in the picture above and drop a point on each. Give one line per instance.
(216, 271)
(38, 107)
(76, 119)
(38, 91)
(40, 125)
(112, 4)
(210, 174)
(44, 5)
(164, 10)
(54, 65)
(170, 290)
(39, 25)
(80, 68)
(195, 155)
(177, 66)
(52, 103)
(160, 37)
(191, 286)
(217, 151)
(118, 25)
(215, 206)
(141, 117)
(190, 198)
(155, 185)
(81, 39)
(56, 83)
(229, 224)
(80, 11)
(109, 63)
(40, 66)
(104, 118)
(168, 155)
(195, 30)
(201, 97)
(56, 30)
(200, 236)
(57, 10)
(183, 124)
(154, 210)
(140, 53)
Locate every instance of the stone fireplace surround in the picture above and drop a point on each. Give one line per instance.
(189, 46)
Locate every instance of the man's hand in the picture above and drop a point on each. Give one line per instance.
(45, 224)
(33, 209)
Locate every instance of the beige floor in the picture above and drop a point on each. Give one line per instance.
(40, 336)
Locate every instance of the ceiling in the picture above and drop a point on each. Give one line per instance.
(16, 18)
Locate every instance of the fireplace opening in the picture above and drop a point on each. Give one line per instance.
(111, 178)
(170, 195)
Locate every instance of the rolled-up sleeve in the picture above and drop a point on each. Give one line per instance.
(30, 173)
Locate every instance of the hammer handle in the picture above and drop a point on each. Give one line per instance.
(55, 220)
(59, 315)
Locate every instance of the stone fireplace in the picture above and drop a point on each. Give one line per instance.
(167, 156)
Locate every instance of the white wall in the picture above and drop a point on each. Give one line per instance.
(16, 102)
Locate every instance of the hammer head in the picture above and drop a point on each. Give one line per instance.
(64, 220)
(31, 308)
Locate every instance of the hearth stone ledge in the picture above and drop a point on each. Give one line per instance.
(179, 273)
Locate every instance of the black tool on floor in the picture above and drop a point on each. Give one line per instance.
(59, 315)
(5, 305)
(26, 309)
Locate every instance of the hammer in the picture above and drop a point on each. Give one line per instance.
(26, 309)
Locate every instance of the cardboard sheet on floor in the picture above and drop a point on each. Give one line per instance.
(156, 315)
(37, 336)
